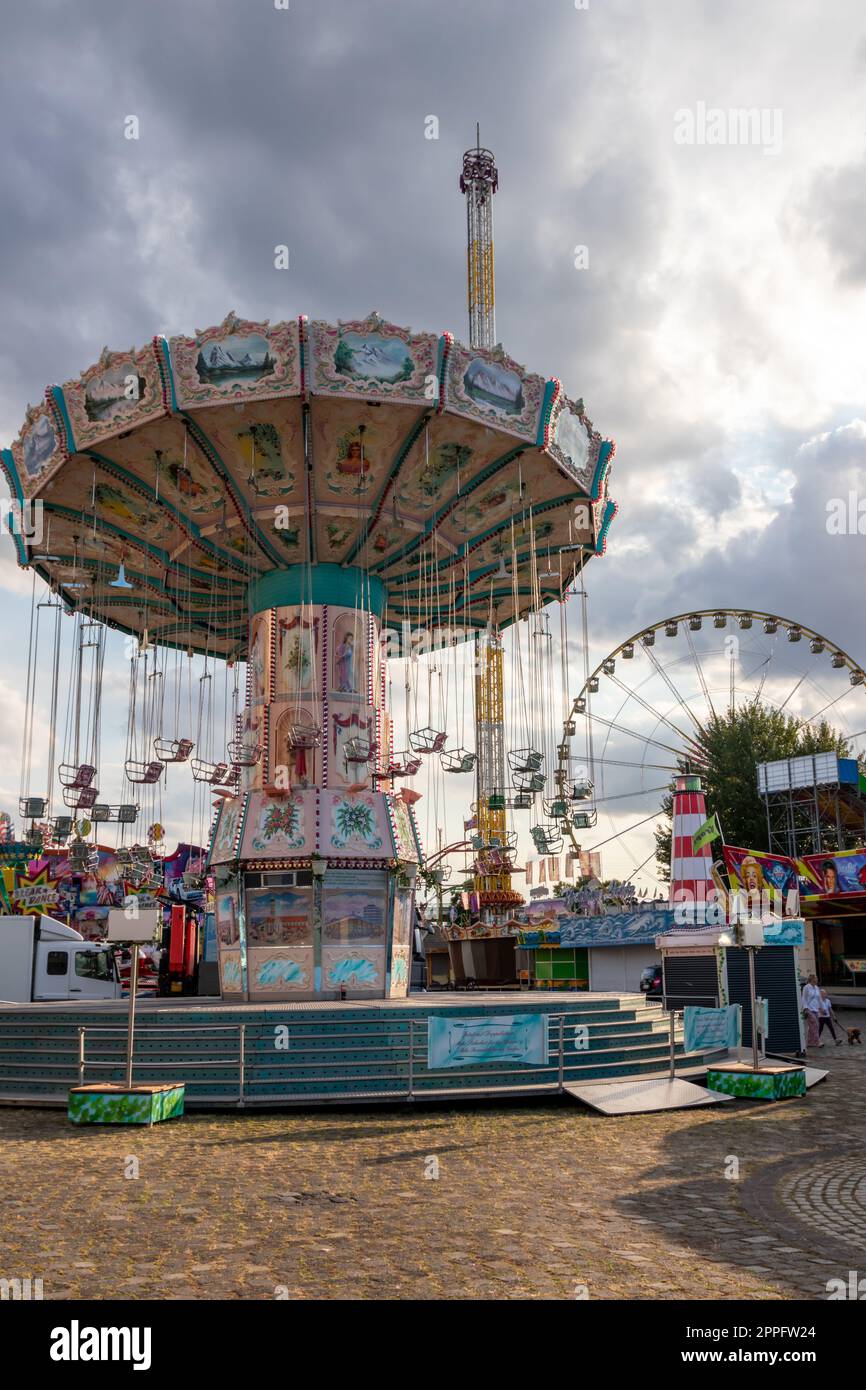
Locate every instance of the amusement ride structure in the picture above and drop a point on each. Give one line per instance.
(262, 508)
(636, 723)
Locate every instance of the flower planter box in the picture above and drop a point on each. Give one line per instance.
(110, 1104)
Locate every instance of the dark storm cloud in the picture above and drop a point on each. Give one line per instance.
(261, 127)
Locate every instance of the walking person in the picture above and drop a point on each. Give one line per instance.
(825, 1017)
(811, 1002)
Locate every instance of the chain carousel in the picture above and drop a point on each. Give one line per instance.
(263, 507)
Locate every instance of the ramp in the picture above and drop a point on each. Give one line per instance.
(642, 1097)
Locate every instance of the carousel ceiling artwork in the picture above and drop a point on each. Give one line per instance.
(200, 463)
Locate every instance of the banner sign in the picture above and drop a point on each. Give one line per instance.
(504, 1038)
(706, 1029)
(815, 876)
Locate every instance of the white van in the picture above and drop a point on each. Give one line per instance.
(41, 958)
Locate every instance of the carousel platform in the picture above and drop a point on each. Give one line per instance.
(446, 1046)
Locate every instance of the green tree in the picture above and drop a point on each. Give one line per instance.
(730, 747)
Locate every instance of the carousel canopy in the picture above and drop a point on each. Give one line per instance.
(175, 477)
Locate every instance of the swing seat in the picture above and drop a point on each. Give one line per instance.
(427, 740)
(61, 827)
(582, 789)
(145, 773)
(529, 782)
(525, 760)
(203, 771)
(304, 736)
(360, 750)
(229, 782)
(99, 812)
(584, 820)
(80, 799)
(403, 765)
(458, 760)
(32, 807)
(546, 838)
(244, 754)
(556, 809)
(123, 857)
(523, 801)
(175, 750)
(126, 814)
(74, 775)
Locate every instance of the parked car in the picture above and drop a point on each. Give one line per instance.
(651, 982)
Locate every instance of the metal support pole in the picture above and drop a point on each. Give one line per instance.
(242, 1062)
(754, 1007)
(561, 1050)
(130, 1028)
(673, 1044)
(81, 1056)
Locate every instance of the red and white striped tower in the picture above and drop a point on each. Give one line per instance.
(691, 876)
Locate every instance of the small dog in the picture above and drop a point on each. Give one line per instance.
(854, 1036)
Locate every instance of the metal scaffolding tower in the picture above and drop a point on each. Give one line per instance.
(479, 181)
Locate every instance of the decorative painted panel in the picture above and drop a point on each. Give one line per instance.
(239, 359)
(280, 826)
(405, 840)
(354, 908)
(38, 451)
(279, 970)
(354, 825)
(228, 830)
(292, 763)
(369, 358)
(398, 986)
(297, 640)
(491, 386)
(231, 978)
(279, 916)
(120, 391)
(359, 968)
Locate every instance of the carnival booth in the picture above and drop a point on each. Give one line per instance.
(705, 967)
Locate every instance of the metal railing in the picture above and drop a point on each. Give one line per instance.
(243, 1063)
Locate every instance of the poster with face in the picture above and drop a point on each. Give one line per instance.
(349, 640)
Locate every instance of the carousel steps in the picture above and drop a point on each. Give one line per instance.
(355, 1052)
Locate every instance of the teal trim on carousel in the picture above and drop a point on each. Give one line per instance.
(610, 512)
(59, 400)
(10, 472)
(605, 454)
(552, 391)
(336, 585)
(165, 352)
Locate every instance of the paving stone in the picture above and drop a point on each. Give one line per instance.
(641, 1209)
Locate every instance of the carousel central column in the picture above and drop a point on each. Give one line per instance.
(315, 859)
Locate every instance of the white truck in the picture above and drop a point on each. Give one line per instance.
(41, 958)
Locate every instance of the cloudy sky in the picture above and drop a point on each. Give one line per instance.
(716, 333)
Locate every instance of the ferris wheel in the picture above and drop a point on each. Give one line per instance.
(638, 716)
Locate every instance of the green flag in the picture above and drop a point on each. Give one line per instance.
(705, 834)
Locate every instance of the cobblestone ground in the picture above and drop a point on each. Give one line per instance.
(531, 1201)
